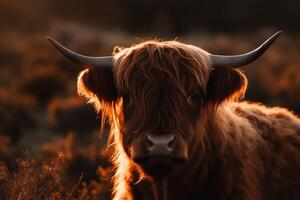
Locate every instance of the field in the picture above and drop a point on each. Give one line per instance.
(50, 143)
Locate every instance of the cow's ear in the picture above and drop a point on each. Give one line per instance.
(97, 84)
(225, 84)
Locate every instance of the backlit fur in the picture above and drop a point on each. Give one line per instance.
(237, 149)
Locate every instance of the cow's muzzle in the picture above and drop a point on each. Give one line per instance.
(159, 153)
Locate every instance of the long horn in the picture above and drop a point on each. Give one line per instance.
(235, 61)
(106, 61)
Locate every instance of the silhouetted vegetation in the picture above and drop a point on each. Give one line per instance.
(50, 145)
(65, 115)
(42, 84)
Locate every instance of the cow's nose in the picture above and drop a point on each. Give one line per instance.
(160, 145)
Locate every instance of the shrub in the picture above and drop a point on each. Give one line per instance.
(72, 115)
(43, 84)
(16, 115)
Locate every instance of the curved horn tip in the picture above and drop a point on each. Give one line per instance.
(104, 62)
(279, 32)
(235, 61)
(50, 39)
(276, 35)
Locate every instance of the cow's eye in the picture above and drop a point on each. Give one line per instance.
(194, 97)
(127, 100)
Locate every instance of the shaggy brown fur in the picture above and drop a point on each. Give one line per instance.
(237, 150)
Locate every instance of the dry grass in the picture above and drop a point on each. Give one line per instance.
(33, 180)
(40, 113)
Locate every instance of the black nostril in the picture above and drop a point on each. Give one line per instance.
(149, 142)
(172, 142)
(160, 144)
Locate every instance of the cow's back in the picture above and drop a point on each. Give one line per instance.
(279, 130)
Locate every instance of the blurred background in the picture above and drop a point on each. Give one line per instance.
(50, 145)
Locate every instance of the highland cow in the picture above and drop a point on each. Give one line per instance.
(180, 130)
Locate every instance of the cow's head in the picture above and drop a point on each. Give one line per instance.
(156, 95)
